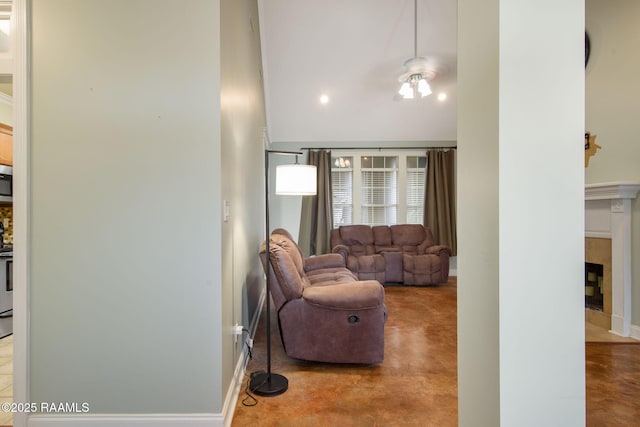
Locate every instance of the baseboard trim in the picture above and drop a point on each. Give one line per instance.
(233, 391)
(635, 332)
(229, 407)
(127, 420)
(223, 419)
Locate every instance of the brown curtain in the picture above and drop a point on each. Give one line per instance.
(440, 197)
(316, 220)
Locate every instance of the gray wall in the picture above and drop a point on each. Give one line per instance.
(125, 249)
(243, 122)
(612, 105)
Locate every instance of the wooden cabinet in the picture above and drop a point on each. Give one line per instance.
(6, 145)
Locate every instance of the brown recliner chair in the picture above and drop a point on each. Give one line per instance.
(325, 314)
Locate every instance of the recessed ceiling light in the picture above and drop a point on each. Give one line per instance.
(324, 99)
(442, 96)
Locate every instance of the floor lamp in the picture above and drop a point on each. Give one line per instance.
(292, 180)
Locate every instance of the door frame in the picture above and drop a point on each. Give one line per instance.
(20, 208)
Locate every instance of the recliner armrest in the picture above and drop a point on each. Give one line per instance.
(342, 250)
(324, 261)
(346, 296)
(438, 249)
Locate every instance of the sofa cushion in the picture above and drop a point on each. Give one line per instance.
(357, 295)
(331, 276)
(423, 269)
(356, 234)
(382, 235)
(409, 235)
(368, 267)
(359, 238)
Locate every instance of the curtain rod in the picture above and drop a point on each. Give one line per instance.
(453, 147)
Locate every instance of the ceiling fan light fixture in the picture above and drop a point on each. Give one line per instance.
(424, 88)
(406, 90)
(415, 84)
(418, 70)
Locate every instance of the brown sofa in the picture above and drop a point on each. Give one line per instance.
(403, 253)
(325, 313)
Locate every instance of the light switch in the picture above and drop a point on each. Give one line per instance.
(227, 211)
(5, 223)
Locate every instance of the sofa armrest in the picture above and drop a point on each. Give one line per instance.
(438, 249)
(346, 296)
(342, 250)
(324, 261)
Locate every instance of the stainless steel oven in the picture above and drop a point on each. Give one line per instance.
(6, 291)
(6, 183)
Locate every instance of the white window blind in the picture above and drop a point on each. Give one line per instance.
(415, 189)
(379, 176)
(342, 190)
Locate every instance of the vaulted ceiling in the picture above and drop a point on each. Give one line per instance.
(353, 51)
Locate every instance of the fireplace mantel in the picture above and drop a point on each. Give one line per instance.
(611, 190)
(608, 215)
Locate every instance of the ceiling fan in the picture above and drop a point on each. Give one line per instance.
(419, 70)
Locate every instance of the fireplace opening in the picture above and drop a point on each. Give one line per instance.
(593, 292)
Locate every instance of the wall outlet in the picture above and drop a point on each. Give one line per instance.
(237, 331)
(5, 223)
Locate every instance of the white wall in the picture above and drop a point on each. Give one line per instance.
(521, 100)
(125, 196)
(612, 105)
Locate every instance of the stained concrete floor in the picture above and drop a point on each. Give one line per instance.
(416, 385)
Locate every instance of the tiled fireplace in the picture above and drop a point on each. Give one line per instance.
(608, 254)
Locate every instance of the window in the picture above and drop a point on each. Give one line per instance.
(342, 190)
(378, 189)
(415, 189)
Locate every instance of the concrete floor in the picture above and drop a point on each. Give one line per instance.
(416, 385)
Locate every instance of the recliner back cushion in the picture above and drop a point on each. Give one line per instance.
(382, 235)
(407, 235)
(359, 238)
(288, 266)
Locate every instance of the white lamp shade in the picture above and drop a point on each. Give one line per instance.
(296, 180)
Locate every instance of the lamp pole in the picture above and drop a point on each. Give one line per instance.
(269, 383)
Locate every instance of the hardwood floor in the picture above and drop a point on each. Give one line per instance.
(416, 385)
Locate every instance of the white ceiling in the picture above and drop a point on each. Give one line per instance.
(353, 51)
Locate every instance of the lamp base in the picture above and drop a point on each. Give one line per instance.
(264, 384)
